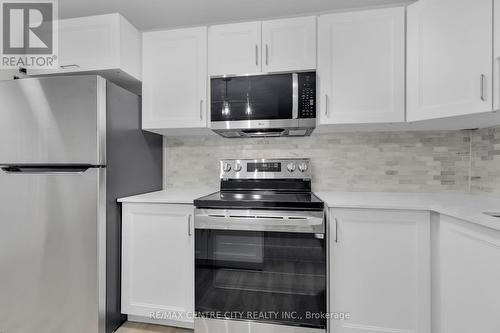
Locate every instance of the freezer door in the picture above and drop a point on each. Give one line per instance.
(52, 251)
(53, 120)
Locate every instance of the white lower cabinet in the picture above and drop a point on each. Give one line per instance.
(158, 263)
(380, 270)
(466, 277)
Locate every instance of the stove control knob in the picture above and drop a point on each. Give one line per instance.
(291, 167)
(226, 167)
(303, 167)
(237, 167)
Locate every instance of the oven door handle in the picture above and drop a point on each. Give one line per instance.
(298, 222)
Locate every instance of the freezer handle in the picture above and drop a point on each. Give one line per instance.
(47, 169)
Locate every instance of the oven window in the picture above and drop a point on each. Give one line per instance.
(273, 277)
(251, 97)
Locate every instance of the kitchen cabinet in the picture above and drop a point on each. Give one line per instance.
(234, 48)
(361, 64)
(289, 44)
(496, 55)
(158, 263)
(174, 89)
(449, 64)
(380, 270)
(104, 44)
(269, 46)
(465, 281)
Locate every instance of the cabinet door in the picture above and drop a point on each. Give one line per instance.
(380, 270)
(289, 45)
(467, 289)
(89, 43)
(174, 87)
(158, 262)
(449, 65)
(496, 55)
(234, 48)
(361, 66)
(105, 44)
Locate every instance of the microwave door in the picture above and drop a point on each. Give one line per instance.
(260, 97)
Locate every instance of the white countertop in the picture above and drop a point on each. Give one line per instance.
(462, 206)
(171, 196)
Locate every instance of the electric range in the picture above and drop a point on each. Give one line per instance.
(260, 250)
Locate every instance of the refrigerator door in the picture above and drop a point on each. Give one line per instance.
(53, 120)
(52, 250)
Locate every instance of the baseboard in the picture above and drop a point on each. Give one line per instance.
(164, 322)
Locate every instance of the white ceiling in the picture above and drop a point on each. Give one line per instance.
(158, 14)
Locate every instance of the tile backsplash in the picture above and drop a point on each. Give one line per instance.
(485, 168)
(436, 161)
(391, 161)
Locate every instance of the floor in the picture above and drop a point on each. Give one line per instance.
(131, 327)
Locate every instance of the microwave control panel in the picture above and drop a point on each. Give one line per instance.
(307, 95)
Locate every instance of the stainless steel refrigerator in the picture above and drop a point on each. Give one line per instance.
(69, 147)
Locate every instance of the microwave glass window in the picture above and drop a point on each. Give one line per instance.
(257, 97)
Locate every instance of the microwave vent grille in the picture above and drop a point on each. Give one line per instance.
(297, 132)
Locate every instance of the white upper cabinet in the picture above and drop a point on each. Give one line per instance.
(86, 43)
(289, 44)
(234, 48)
(449, 69)
(380, 270)
(99, 43)
(105, 44)
(361, 59)
(496, 55)
(269, 46)
(174, 88)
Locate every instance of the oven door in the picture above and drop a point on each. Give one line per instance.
(264, 272)
(251, 98)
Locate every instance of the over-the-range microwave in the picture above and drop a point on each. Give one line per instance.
(263, 105)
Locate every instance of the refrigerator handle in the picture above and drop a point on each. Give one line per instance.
(38, 169)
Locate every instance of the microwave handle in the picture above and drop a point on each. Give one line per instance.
(295, 96)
